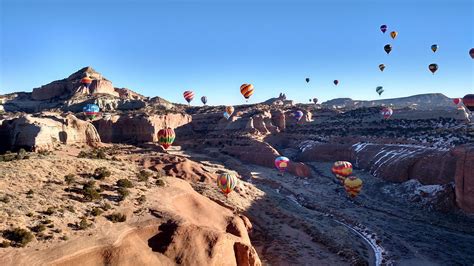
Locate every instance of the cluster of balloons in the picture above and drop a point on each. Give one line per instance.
(343, 172)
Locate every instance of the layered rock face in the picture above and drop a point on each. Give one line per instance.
(43, 132)
(465, 177)
(137, 128)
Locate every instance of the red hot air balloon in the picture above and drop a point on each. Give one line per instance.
(433, 68)
(386, 112)
(188, 96)
(336, 82)
(166, 137)
(468, 101)
(383, 28)
(457, 101)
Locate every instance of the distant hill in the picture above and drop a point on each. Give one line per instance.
(420, 102)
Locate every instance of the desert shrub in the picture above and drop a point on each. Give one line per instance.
(106, 206)
(160, 182)
(18, 236)
(125, 183)
(30, 214)
(21, 154)
(143, 175)
(117, 217)
(83, 224)
(141, 199)
(89, 191)
(50, 211)
(101, 173)
(123, 193)
(5, 244)
(69, 179)
(5, 199)
(70, 208)
(38, 228)
(96, 211)
(93, 154)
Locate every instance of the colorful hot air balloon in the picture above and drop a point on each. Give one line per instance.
(336, 82)
(471, 53)
(91, 110)
(204, 100)
(386, 112)
(298, 115)
(282, 163)
(307, 80)
(315, 100)
(246, 90)
(86, 81)
(166, 137)
(468, 101)
(383, 28)
(226, 182)
(433, 68)
(434, 47)
(188, 96)
(342, 169)
(353, 186)
(229, 110)
(393, 34)
(226, 115)
(379, 90)
(387, 48)
(381, 67)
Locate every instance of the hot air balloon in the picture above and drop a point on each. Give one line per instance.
(281, 163)
(468, 101)
(315, 100)
(383, 28)
(393, 34)
(379, 90)
(381, 67)
(387, 48)
(246, 90)
(307, 80)
(226, 182)
(471, 53)
(386, 112)
(342, 169)
(204, 100)
(298, 115)
(457, 101)
(86, 81)
(188, 96)
(353, 186)
(91, 110)
(226, 115)
(434, 47)
(229, 110)
(336, 82)
(433, 68)
(309, 100)
(166, 137)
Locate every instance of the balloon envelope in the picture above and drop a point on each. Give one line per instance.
(188, 96)
(204, 99)
(353, 186)
(383, 28)
(386, 112)
(434, 47)
(298, 115)
(166, 137)
(281, 163)
(342, 169)
(468, 101)
(226, 182)
(381, 67)
(315, 100)
(336, 82)
(91, 110)
(387, 48)
(307, 80)
(433, 68)
(229, 110)
(379, 90)
(471, 53)
(86, 81)
(393, 34)
(226, 115)
(246, 90)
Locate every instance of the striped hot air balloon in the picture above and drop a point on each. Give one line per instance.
(166, 137)
(188, 96)
(468, 101)
(91, 110)
(246, 90)
(226, 182)
(342, 169)
(386, 112)
(381, 67)
(379, 90)
(86, 81)
(353, 186)
(282, 163)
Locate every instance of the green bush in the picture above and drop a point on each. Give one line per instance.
(5, 244)
(5, 199)
(141, 199)
(160, 182)
(106, 206)
(96, 211)
(89, 191)
(83, 224)
(117, 217)
(69, 179)
(50, 211)
(144, 175)
(38, 228)
(18, 236)
(125, 183)
(101, 173)
(123, 193)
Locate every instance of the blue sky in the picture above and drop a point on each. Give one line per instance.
(161, 48)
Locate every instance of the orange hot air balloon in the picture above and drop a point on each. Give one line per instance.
(229, 110)
(246, 90)
(166, 137)
(86, 81)
(353, 186)
(393, 34)
(342, 169)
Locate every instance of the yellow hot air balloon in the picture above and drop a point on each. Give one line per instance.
(353, 186)
(229, 110)
(393, 34)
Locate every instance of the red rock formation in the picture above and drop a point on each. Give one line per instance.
(103, 86)
(464, 178)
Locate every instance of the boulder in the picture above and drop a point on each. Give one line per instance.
(464, 177)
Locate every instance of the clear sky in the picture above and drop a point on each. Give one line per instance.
(161, 48)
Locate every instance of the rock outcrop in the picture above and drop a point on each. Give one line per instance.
(137, 128)
(464, 178)
(44, 131)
